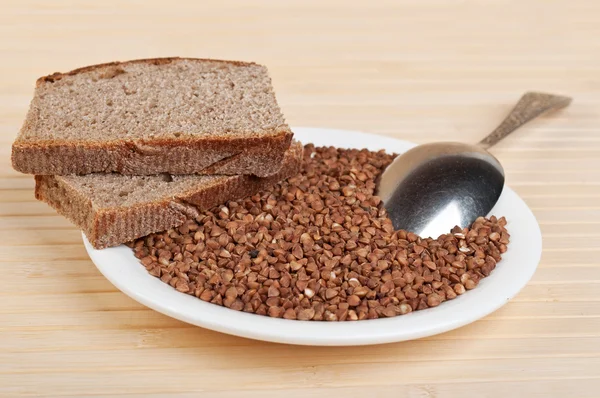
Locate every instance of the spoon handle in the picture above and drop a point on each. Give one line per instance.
(530, 106)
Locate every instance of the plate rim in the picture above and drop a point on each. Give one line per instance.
(346, 333)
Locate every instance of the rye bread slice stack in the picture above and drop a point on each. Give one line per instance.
(126, 149)
(172, 115)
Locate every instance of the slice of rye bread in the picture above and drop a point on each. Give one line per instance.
(112, 208)
(144, 117)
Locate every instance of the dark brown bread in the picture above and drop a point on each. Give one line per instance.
(112, 209)
(143, 117)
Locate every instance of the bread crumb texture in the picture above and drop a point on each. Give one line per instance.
(155, 99)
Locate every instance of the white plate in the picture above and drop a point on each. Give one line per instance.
(119, 266)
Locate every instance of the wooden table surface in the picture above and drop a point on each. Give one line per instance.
(417, 70)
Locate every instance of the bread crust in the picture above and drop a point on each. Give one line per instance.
(106, 227)
(260, 156)
(153, 61)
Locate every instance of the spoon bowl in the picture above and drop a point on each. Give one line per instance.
(433, 187)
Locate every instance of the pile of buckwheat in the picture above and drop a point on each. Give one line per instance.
(320, 247)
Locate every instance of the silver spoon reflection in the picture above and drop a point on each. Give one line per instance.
(433, 187)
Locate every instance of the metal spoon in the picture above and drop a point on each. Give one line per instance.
(433, 187)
